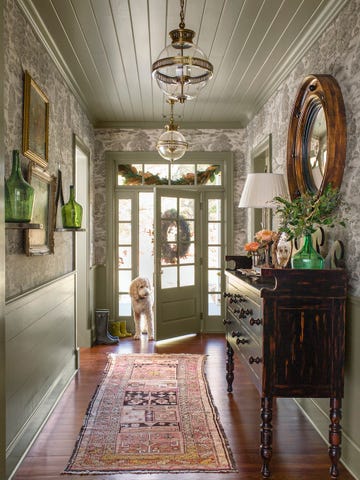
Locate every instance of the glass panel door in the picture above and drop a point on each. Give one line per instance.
(177, 273)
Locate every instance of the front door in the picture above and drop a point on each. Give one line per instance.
(177, 262)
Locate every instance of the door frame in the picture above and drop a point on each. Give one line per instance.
(112, 158)
(83, 331)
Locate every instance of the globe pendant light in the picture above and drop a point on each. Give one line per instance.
(171, 144)
(182, 69)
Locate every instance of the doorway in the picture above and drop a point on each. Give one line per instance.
(177, 236)
(82, 242)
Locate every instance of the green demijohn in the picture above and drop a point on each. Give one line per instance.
(19, 194)
(71, 212)
(307, 256)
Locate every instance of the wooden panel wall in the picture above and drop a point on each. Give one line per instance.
(40, 359)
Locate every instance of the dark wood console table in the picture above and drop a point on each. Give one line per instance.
(288, 328)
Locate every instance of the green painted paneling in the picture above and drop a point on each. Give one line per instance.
(318, 409)
(40, 360)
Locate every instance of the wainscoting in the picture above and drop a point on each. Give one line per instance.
(41, 359)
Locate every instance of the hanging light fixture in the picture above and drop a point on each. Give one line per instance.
(182, 69)
(171, 144)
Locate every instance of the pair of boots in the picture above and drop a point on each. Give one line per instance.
(119, 329)
(103, 337)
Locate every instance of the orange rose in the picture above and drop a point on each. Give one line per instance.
(251, 246)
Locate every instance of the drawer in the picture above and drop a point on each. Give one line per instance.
(249, 351)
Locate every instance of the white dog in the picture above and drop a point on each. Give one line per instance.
(141, 300)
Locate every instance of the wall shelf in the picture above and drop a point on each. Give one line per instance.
(23, 226)
(70, 229)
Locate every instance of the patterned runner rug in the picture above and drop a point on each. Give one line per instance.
(152, 413)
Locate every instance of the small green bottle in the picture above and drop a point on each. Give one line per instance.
(19, 195)
(71, 212)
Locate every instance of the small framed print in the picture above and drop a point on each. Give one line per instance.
(41, 241)
(35, 122)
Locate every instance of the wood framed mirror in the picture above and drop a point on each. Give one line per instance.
(316, 147)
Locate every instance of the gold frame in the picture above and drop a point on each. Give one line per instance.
(41, 241)
(35, 122)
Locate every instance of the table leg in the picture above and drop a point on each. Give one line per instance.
(229, 366)
(266, 435)
(335, 436)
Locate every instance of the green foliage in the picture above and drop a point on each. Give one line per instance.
(303, 215)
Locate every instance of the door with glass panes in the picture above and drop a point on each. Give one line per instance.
(175, 238)
(177, 262)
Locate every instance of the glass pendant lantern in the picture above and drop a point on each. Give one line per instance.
(171, 144)
(182, 69)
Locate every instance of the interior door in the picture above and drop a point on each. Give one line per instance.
(177, 262)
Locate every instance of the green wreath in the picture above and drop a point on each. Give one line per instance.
(168, 253)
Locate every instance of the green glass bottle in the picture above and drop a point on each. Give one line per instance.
(71, 212)
(19, 194)
(307, 256)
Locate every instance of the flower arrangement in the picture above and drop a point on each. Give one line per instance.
(259, 249)
(263, 239)
(305, 214)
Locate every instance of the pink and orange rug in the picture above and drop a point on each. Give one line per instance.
(152, 413)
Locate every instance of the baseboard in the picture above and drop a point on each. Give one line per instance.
(316, 415)
(22, 443)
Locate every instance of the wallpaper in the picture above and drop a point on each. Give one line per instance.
(23, 51)
(144, 141)
(335, 52)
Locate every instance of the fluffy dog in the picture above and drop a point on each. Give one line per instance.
(141, 300)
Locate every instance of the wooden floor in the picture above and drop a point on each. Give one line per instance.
(298, 451)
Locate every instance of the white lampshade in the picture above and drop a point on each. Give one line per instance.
(261, 188)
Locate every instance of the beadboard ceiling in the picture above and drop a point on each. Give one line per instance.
(105, 49)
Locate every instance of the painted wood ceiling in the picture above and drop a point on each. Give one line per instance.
(105, 49)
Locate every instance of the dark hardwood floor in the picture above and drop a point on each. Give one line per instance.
(298, 450)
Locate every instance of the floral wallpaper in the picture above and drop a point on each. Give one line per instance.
(335, 52)
(145, 140)
(24, 51)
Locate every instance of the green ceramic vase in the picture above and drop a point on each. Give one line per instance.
(19, 194)
(307, 256)
(71, 212)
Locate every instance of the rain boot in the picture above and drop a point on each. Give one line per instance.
(103, 336)
(115, 329)
(123, 329)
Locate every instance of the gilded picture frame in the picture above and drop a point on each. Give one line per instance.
(35, 122)
(41, 241)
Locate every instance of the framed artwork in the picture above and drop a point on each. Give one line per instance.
(35, 122)
(41, 241)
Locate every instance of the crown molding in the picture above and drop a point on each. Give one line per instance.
(289, 61)
(161, 125)
(48, 43)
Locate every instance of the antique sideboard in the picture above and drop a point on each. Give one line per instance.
(288, 328)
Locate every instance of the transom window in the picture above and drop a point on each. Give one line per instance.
(168, 174)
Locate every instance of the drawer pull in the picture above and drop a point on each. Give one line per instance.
(242, 341)
(244, 313)
(235, 334)
(255, 360)
(258, 321)
(226, 322)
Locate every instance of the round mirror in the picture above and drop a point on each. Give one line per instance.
(317, 137)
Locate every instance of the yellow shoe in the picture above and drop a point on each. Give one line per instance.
(115, 329)
(123, 331)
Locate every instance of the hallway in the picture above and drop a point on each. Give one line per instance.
(298, 451)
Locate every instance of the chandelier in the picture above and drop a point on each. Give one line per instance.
(171, 144)
(182, 69)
